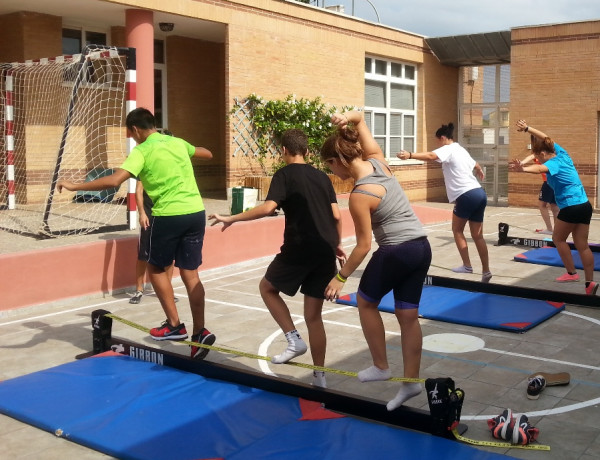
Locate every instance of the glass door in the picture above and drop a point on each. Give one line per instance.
(484, 125)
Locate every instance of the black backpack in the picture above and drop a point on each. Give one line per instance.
(445, 404)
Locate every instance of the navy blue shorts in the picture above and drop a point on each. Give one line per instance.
(471, 205)
(311, 277)
(177, 238)
(547, 194)
(576, 214)
(401, 268)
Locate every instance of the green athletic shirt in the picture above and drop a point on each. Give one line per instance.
(163, 165)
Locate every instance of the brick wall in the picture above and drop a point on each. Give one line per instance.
(273, 49)
(302, 51)
(28, 35)
(555, 86)
(196, 103)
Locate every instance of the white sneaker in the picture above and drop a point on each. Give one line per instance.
(463, 269)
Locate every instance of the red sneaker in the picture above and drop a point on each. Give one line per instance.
(167, 332)
(205, 337)
(502, 426)
(592, 288)
(567, 278)
(523, 433)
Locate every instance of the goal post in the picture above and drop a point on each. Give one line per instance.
(63, 118)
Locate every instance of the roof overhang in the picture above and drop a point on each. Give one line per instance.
(488, 48)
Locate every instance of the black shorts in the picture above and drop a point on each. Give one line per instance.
(577, 214)
(312, 277)
(178, 238)
(547, 194)
(401, 268)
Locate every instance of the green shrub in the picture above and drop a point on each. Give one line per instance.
(271, 118)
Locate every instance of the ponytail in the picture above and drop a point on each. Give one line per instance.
(446, 131)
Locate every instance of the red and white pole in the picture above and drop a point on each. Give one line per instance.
(130, 104)
(10, 139)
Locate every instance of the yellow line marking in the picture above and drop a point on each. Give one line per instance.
(505, 445)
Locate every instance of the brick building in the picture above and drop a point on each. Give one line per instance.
(220, 50)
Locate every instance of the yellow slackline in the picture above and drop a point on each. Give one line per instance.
(333, 371)
(505, 445)
(254, 356)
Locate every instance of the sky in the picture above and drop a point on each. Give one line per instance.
(440, 18)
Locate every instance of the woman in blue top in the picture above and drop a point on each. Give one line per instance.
(575, 209)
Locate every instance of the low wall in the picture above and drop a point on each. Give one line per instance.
(37, 277)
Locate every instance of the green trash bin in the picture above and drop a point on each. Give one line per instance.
(242, 199)
(96, 196)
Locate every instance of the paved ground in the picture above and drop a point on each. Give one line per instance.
(493, 375)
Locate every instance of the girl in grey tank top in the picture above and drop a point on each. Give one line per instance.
(393, 221)
(379, 206)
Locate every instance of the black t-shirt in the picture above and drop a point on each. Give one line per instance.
(147, 204)
(305, 194)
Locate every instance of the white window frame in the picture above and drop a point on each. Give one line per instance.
(162, 67)
(371, 112)
(83, 31)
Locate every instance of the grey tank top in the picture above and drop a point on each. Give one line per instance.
(394, 220)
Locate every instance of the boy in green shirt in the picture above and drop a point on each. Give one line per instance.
(162, 163)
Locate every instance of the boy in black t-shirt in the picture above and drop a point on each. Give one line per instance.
(311, 244)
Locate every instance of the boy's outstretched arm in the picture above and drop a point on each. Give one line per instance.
(258, 212)
(102, 183)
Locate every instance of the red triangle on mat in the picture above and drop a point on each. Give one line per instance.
(106, 353)
(312, 410)
(522, 325)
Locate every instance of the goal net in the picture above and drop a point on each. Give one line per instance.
(63, 118)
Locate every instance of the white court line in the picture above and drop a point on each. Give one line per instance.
(109, 302)
(264, 346)
(300, 317)
(541, 413)
(585, 318)
(537, 358)
(48, 315)
(550, 360)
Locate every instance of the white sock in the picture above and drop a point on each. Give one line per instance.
(296, 347)
(374, 374)
(463, 269)
(407, 391)
(319, 379)
(486, 277)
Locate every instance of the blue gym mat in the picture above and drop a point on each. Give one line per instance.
(549, 256)
(478, 309)
(133, 409)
